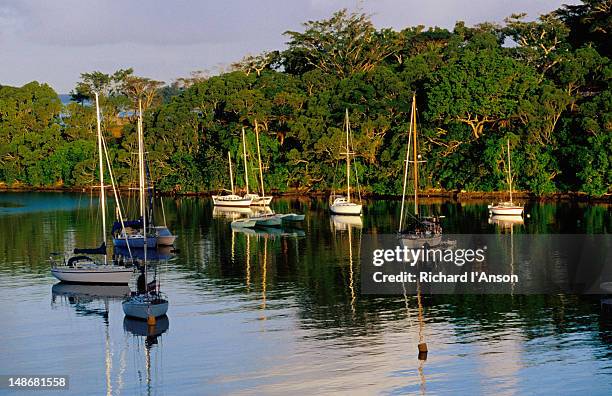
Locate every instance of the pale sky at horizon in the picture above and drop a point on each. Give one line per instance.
(55, 41)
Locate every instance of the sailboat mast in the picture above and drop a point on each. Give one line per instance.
(348, 160)
(229, 158)
(141, 171)
(415, 158)
(246, 173)
(509, 171)
(102, 193)
(263, 194)
(401, 222)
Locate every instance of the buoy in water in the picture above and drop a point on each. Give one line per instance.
(151, 320)
(423, 347)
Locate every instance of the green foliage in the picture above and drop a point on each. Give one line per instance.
(548, 92)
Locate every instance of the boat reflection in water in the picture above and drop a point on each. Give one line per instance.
(141, 328)
(152, 336)
(232, 213)
(343, 222)
(81, 294)
(82, 298)
(506, 221)
(271, 231)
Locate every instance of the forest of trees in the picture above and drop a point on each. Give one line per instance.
(544, 84)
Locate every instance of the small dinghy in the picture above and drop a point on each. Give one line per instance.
(291, 217)
(267, 220)
(243, 223)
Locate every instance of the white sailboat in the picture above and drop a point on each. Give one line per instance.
(263, 199)
(84, 269)
(232, 199)
(343, 205)
(422, 230)
(507, 208)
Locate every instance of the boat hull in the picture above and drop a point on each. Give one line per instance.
(103, 275)
(219, 200)
(136, 242)
(292, 217)
(272, 221)
(350, 209)
(166, 240)
(506, 210)
(164, 236)
(141, 309)
(261, 201)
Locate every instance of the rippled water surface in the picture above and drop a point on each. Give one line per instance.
(272, 313)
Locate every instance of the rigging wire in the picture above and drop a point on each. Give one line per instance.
(354, 164)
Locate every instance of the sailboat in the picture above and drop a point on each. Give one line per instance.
(422, 230)
(507, 208)
(343, 205)
(81, 268)
(133, 232)
(231, 199)
(148, 302)
(257, 200)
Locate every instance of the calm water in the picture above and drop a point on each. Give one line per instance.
(282, 313)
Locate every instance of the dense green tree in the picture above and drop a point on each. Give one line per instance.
(543, 84)
(479, 88)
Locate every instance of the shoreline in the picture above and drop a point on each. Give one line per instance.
(456, 196)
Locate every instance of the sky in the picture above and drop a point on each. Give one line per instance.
(55, 41)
